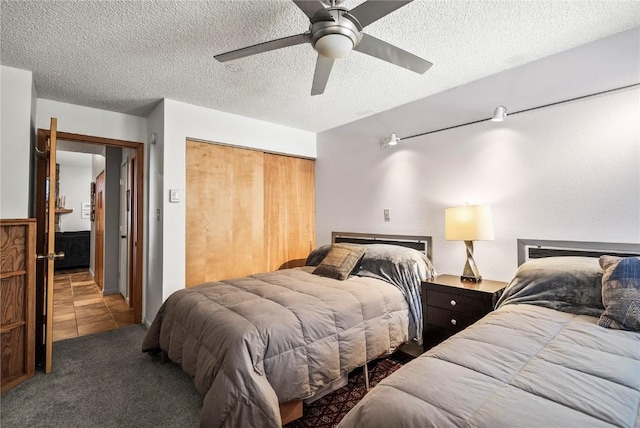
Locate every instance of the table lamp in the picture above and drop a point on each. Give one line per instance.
(469, 223)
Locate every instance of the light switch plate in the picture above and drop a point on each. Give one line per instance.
(174, 195)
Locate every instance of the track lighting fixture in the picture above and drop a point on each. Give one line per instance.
(499, 114)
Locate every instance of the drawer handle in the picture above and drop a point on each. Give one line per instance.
(454, 322)
(453, 303)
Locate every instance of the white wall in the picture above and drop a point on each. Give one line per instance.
(178, 122)
(112, 220)
(15, 142)
(75, 181)
(90, 121)
(569, 172)
(153, 244)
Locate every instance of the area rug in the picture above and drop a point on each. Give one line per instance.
(330, 409)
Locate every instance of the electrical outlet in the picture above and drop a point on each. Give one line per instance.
(387, 217)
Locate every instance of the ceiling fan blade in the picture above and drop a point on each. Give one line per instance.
(372, 10)
(321, 75)
(264, 47)
(380, 49)
(314, 9)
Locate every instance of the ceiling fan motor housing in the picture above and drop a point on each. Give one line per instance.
(328, 37)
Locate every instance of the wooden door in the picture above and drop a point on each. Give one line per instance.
(289, 213)
(246, 211)
(45, 242)
(99, 231)
(224, 210)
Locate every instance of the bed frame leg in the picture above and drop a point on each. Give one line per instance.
(163, 357)
(366, 376)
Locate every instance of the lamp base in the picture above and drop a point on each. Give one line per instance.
(471, 272)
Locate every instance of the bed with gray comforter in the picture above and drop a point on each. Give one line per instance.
(540, 360)
(254, 342)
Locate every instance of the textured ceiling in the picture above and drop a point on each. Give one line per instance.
(125, 56)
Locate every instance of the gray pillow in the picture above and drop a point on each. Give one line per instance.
(621, 293)
(316, 256)
(339, 261)
(568, 284)
(395, 264)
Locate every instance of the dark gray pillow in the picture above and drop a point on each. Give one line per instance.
(568, 284)
(621, 293)
(339, 261)
(316, 256)
(395, 264)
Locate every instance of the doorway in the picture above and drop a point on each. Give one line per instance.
(135, 254)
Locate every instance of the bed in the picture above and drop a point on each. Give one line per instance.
(258, 345)
(562, 349)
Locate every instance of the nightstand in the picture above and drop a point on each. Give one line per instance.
(449, 305)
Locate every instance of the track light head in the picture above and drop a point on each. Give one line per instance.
(499, 114)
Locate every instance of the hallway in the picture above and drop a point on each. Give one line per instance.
(80, 309)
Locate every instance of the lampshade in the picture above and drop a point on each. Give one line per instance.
(393, 140)
(334, 46)
(499, 114)
(469, 223)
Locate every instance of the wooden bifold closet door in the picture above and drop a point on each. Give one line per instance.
(246, 211)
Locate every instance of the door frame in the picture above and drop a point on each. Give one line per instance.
(135, 184)
(136, 256)
(98, 251)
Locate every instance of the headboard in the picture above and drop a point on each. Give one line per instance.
(420, 243)
(536, 249)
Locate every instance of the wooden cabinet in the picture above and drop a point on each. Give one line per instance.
(17, 301)
(450, 305)
(76, 247)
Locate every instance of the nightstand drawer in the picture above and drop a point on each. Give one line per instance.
(449, 320)
(458, 303)
(449, 305)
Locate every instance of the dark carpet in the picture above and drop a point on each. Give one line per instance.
(104, 380)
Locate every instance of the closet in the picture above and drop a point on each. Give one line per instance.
(247, 211)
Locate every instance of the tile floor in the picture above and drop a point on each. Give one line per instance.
(80, 309)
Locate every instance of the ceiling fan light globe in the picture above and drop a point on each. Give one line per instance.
(334, 46)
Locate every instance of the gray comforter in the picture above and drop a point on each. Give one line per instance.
(270, 338)
(520, 366)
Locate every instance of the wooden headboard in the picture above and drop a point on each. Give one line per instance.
(420, 243)
(536, 249)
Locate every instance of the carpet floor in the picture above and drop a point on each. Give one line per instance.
(104, 380)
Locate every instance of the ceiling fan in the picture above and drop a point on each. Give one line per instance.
(333, 32)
